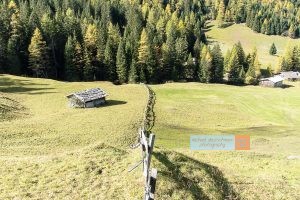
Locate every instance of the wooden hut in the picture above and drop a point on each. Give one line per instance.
(291, 76)
(88, 98)
(275, 81)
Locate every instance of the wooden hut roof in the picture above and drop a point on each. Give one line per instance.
(274, 79)
(290, 75)
(89, 95)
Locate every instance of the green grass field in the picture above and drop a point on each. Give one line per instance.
(50, 151)
(270, 116)
(227, 37)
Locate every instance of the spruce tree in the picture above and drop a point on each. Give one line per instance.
(221, 14)
(189, 68)
(2, 55)
(133, 75)
(273, 50)
(79, 61)
(90, 52)
(226, 60)
(109, 60)
(121, 63)
(205, 66)
(235, 69)
(69, 55)
(13, 46)
(218, 64)
(38, 54)
(181, 47)
(253, 73)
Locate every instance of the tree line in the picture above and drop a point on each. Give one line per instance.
(83, 40)
(271, 17)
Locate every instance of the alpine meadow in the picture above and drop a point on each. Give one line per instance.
(150, 99)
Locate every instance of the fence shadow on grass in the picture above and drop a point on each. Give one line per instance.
(193, 184)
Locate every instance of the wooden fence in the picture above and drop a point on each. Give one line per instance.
(146, 142)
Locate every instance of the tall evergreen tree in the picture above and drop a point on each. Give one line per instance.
(133, 75)
(69, 59)
(109, 60)
(218, 64)
(221, 14)
(13, 47)
(121, 63)
(205, 69)
(273, 49)
(235, 69)
(38, 54)
(253, 73)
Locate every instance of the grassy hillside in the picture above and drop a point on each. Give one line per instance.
(270, 116)
(49, 150)
(227, 37)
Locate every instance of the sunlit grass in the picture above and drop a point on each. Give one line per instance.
(227, 37)
(271, 116)
(53, 151)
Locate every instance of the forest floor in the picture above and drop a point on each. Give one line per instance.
(234, 33)
(50, 151)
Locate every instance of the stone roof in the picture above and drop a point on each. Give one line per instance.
(89, 95)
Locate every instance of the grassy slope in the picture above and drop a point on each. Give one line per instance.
(227, 37)
(272, 118)
(51, 151)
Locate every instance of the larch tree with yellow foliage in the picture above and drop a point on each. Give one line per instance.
(38, 55)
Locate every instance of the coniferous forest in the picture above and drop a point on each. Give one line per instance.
(128, 41)
(270, 17)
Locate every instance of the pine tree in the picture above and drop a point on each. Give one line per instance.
(292, 31)
(143, 48)
(88, 68)
(218, 64)
(109, 60)
(253, 73)
(181, 47)
(226, 60)
(13, 47)
(241, 53)
(235, 69)
(133, 75)
(121, 63)
(189, 68)
(90, 52)
(221, 14)
(69, 59)
(38, 54)
(2, 55)
(78, 61)
(205, 69)
(273, 49)
(169, 52)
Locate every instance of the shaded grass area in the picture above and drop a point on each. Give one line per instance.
(270, 116)
(198, 180)
(230, 35)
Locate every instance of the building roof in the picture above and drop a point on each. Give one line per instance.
(274, 79)
(290, 75)
(89, 95)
